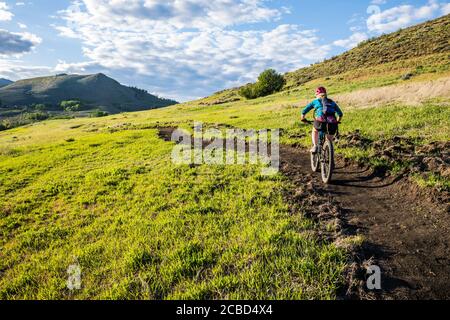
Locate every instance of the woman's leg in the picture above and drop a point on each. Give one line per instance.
(332, 129)
(315, 140)
(315, 137)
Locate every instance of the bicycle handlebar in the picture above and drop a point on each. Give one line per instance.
(312, 122)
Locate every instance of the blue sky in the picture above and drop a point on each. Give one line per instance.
(192, 48)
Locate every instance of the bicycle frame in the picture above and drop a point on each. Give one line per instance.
(322, 137)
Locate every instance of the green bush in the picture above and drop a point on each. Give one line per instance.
(407, 76)
(268, 82)
(5, 125)
(37, 116)
(98, 114)
(248, 91)
(39, 107)
(71, 105)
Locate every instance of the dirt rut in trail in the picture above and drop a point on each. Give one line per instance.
(405, 234)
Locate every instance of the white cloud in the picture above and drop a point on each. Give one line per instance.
(186, 49)
(13, 46)
(82, 67)
(16, 69)
(5, 14)
(378, 2)
(352, 41)
(402, 16)
(22, 25)
(16, 44)
(180, 14)
(446, 8)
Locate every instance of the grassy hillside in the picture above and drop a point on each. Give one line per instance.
(428, 38)
(102, 193)
(94, 91)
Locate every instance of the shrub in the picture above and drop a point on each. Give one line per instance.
(37, 116)
(71, 105)
(268, 82)
(5, 125)
(248, 91)
(39, 107)
(98, 114)
(407, 76)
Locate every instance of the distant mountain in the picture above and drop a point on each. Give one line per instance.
(94, 91)
(4, 82)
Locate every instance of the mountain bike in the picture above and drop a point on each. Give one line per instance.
(324, 157)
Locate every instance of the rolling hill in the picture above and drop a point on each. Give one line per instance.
(4, 82)
(95, 91)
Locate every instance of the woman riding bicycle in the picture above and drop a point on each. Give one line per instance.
(324, 116)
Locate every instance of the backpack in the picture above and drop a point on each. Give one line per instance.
(328, 107)
(329, 111)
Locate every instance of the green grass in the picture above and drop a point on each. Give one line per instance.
(429, 121)
(142, 228)
(433, 181)
(103, 192)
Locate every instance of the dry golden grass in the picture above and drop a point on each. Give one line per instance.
(413, 93)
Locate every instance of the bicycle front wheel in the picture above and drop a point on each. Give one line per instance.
(327, 163)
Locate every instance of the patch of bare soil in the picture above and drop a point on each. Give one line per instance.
(406, 236)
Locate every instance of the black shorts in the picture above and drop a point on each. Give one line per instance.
(328, 128)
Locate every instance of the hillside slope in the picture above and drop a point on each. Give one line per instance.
(424, 39)
(95, 90)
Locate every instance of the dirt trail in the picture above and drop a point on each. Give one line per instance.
(407, 236)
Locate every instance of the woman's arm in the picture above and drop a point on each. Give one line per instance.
(339, 111)
(307, 109)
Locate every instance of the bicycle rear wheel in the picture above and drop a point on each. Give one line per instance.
(327, 163)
